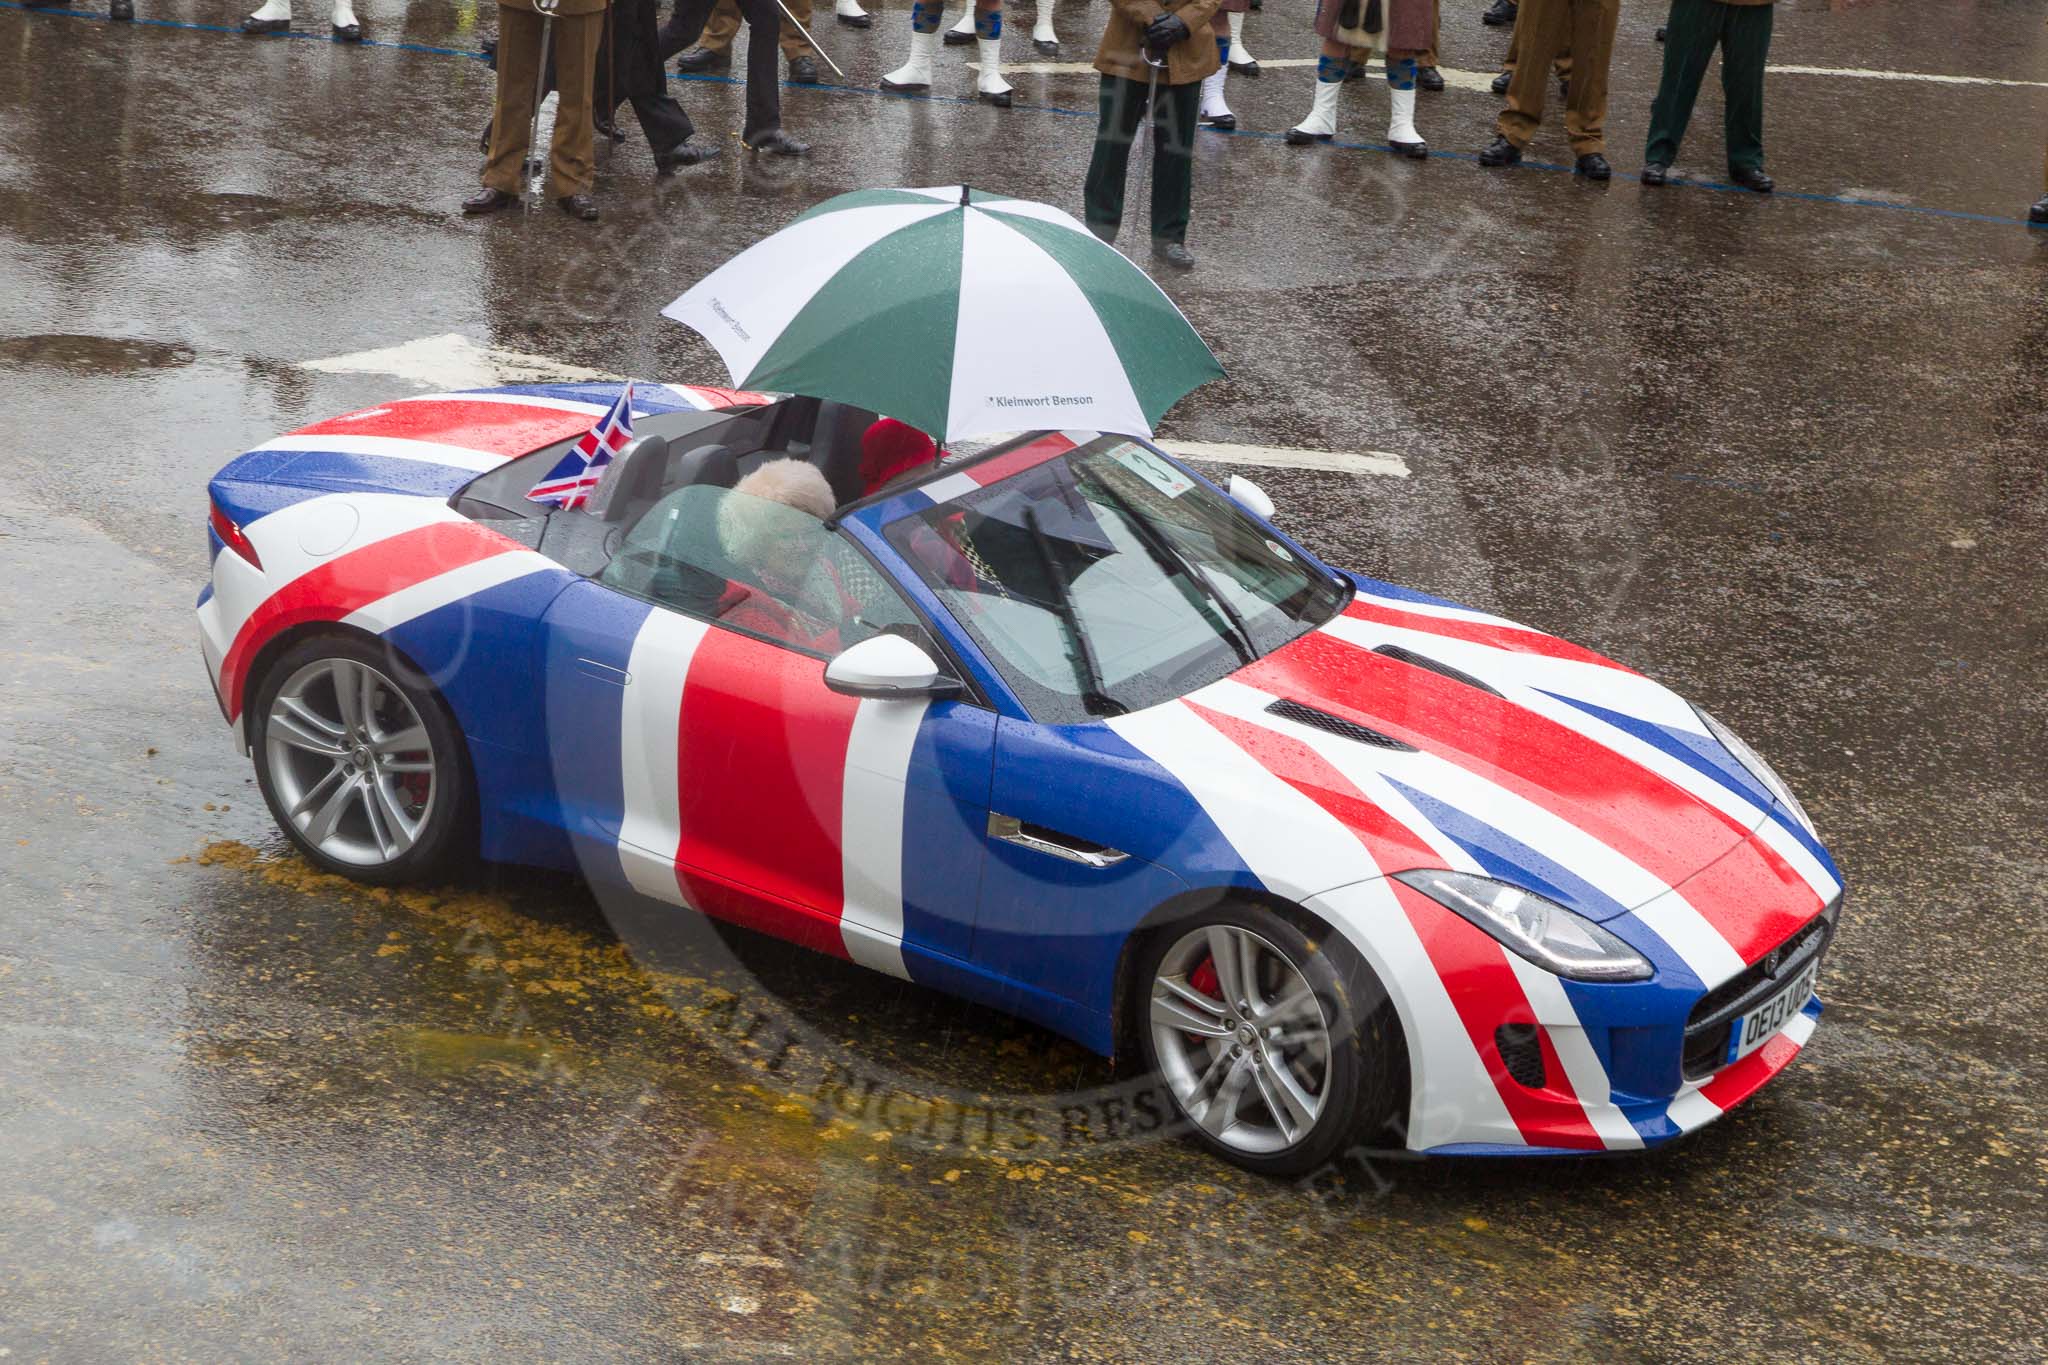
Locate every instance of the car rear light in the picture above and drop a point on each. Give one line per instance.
(231, 535)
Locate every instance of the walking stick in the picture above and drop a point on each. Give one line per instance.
(540, 92)
(809, 39)
(1153, 66)
(611, 64)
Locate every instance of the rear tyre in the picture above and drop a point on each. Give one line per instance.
(1276, 1055)
(359, 760)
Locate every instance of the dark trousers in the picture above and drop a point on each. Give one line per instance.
(764, 74)
(630, 69)
(1744, 35)
(1173, 156)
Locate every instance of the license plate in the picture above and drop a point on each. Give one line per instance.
(1753, 1030)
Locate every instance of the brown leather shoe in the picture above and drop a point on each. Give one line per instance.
(488, 200)
(579, 206)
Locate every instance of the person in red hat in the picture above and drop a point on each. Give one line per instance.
(890, 448)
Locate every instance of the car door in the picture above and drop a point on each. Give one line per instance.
(1076, 817)
(737, 783)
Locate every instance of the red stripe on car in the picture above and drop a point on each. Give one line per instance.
(776, 832)
(1512, 638)
(1647, 819)
(506, 429)
(354, 580)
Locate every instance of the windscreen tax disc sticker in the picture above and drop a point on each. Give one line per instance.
(1152, 469)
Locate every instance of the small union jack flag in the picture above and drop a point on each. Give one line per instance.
(570, 482)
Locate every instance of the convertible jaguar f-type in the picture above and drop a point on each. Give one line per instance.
(1057, 725)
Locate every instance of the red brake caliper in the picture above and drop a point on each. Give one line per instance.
(1204, 979)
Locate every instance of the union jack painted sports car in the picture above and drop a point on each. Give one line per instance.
(1056, 725)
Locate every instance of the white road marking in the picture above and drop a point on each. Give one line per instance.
(1860, 74)
(1483, 80)
(1280, 457)
(1088, 68)
(453, 361)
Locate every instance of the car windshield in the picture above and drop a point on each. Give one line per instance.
(1108, 579)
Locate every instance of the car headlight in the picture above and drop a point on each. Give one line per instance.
(1539, 929)
(1760, 770)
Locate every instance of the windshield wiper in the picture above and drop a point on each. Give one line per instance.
(1095, 696)
(1175, 565)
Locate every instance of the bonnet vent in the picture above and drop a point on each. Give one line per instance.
(1336, 725)
(1409, 656)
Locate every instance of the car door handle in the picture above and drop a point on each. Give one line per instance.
(1038, 838)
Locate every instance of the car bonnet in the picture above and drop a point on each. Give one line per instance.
(1445, 737)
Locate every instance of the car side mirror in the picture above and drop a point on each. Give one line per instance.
(1250, 497)
(888, 667)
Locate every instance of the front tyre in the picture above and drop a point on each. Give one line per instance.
(1275, 1058)
(359, 760)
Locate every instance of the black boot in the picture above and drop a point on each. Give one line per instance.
(1428, 78)
(699, 60)
(1751, 178)
(1501, 152)
(1503, 12)
(1655, 175)
(488, 200)
(675, 158)
(1174, 254)
(2038, 214)
(122, 11)
(778, 143)
(1502, 81)
(1593, 166)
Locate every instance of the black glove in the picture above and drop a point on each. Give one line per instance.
(1163, 32)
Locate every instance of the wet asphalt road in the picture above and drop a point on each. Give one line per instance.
(1790, 456)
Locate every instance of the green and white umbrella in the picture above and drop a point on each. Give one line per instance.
(959, 312)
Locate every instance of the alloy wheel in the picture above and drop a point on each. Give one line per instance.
(1241, 1038)
(350, 761)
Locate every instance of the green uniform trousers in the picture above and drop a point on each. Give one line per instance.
(1744, 35)
(1173, 156)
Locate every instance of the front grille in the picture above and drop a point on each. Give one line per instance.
(1706, 1029)
(1521, 1052)
(1335, 725)
(1409, 656)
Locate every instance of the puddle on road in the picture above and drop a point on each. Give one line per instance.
(233, 209)
(801, 1042)
(94, 355)
(447, 1052)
